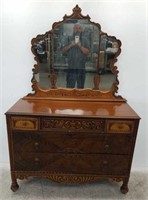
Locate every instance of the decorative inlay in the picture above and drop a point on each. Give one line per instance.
(24, 123)
(120, 126)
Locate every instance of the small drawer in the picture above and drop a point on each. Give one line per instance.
(72, 124)
(120, 126)
(24, 123)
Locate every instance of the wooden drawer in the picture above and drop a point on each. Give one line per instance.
(120, 126)
(72, 143)
(24, 123)
(72, 163)
(73, 124)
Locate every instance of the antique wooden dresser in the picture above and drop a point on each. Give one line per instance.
(72, 135)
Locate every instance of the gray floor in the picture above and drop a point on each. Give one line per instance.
(37, 188)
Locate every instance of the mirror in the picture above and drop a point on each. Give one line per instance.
(76, 49)
(76, 54)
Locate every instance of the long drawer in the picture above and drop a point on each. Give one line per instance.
(71, 143)
(72, 163)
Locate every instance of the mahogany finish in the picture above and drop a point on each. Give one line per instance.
(71, 135)
(71, 141)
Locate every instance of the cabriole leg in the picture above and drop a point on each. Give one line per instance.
(14, 185)
(124, 187)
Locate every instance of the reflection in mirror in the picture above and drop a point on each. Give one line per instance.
(108, 48)
(42, 47)
(76, 49)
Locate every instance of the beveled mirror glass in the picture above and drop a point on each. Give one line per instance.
(75, 54)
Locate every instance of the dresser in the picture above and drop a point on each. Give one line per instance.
(65, 133)
(72, 142)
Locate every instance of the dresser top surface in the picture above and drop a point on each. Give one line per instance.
(72, 108)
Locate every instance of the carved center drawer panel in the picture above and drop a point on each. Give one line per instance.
(73, 163)
(24, 123)
(72, 143)
(71, 124)
(120, 126)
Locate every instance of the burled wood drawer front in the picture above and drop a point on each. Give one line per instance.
(73, 163)
(68, 124)
(72, 143)
(120, 126)
(24, 123)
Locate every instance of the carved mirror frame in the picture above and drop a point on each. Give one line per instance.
(93, 94)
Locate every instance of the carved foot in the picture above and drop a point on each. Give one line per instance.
(14, 186)
(124, 188)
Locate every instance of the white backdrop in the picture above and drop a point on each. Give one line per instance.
(21, 20)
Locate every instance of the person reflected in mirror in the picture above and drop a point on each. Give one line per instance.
(77, 49)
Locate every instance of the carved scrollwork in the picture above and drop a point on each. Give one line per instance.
(75, 94)
(64, 178)
(117, 179)
(72, 178)
(79, 124)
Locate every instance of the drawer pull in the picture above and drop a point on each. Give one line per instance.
(105, 162)
(106, 147)
(36, 145)
(37, 161)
